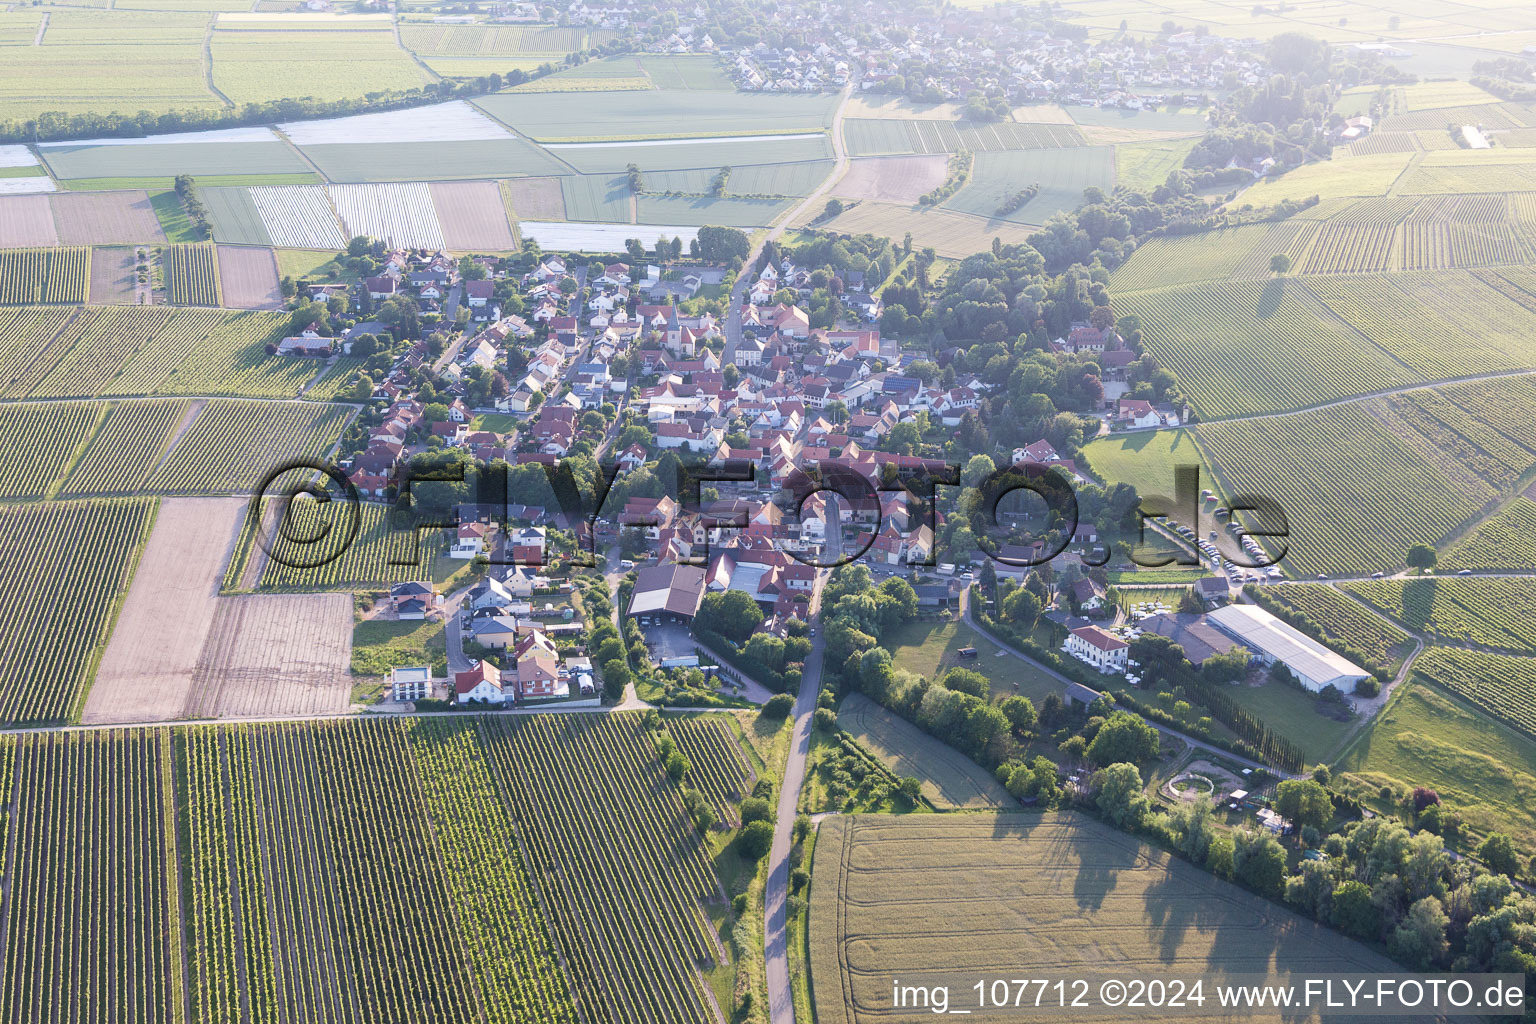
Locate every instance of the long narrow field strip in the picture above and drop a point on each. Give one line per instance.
(42, 439)
(236, 217)
(192, 275)
(633, 956)
(385, 549)
(1503, 686)
(886, 137)
(296, 217)
(63, 567)
(399, 214)
(248, 277)
(1505, 540)
(672, 113)
(1484, 612)
(439, 122)
(1356, 494)
(29, 276)
(232, 445)
(1235, 347)
(127, 448)
(951, 899)
(719, 769)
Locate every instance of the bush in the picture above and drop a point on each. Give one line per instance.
(778, 708)
(755, 808)
(755, 840)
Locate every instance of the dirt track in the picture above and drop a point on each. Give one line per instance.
(146, 673)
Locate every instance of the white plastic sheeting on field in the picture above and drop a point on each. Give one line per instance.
(552, 234)
(17, 186)
(298, 216)
(440, 122)
(400, 214)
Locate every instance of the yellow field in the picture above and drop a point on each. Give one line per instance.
(950, 899)
(950, 234)
(1431, 95)
(1340, 177)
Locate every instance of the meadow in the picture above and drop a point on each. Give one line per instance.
(1061, 174)
(951, 781)
(202, 154)
(1027, 895)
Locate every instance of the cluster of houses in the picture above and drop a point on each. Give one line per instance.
(432, 279)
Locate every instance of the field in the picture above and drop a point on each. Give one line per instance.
(951, 234)
(932, 648)
(379, 645)
(585, 116)
(1145, 460)
(493, 40)
(886, 137)
(1487, 612)
(240, 151)
(951, 898)
(45, 439)
(897, 179)
(248, 277)
(700, 210)
(27, 220)
(275, 654)
(381, 551)
(1142, 166)
(1230, 253)
(144, 61)
(30, 276)
(105, 218)
(596, 198)
(1234, 346)
(456, 121)
(950, 779)
(1061, 174)
(192, 275)
(1505, 540)
(253, 59)
(603, 238)
(536, 198)
(63, 566)
(296, 217)
(691, 154)
(113, 277)
(440, 161)
(126, 448)
(232, 445)
(1357, 508)
(720, 770)
(1480, 767)
(472, 216)
(1345, 622)
(236, 217)
(1342, 176)
(146, 673)
(401, 215)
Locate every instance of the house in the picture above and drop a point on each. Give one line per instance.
(538, 674)
(1136, 412)
(481, 684)
(527, 545)
(489, 596)
(1211, 590)
(1103, 650)
(1087, 594)
(497, 632)
(1194, 633)
(412, 600)
(669, 590)
(381, 287)
(478, 293)
(410, 683)
(473, 539)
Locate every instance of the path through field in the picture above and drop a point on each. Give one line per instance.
(146, 674)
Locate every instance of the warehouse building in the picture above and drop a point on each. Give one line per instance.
(1272, 640)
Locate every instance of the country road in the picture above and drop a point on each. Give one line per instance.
(744, 279)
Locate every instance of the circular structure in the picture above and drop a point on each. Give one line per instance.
(1190, 786)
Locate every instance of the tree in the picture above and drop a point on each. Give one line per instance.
(1022, 607)
(1420, 939)
(755, 808)
(1354, 912)
(677, 765)
(1280, 263)
(832, 209)
(1123, 737)
(1120, 795)
(1260, 864)
(755, 840)
(1421, 557)
(1304, 802)
(731, 613)
(1497, 853)
(1020, 713)
(911, 789)
(778, 707)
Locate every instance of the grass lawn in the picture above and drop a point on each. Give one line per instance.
(1293, 714)
(1145, 459)
(380, 645)
(311, 263)
(496, 422)
(1424, 737)
(951, 781)
(930, 648)
(173, 217)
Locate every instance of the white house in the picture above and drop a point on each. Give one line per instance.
(482, 684)
(411, 683)
(1104, 651)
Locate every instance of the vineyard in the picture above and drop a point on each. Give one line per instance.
(1236, 347)
(52, 276)
(413, 871)
(1503, 686)
(1505, 540)
(232, 445)
(63, 567)
(192, 274)
(1351, 249)
(1342, 621)
(127, 448)
(1487, 611)
(41, 441)
(384, 551)
(1356, 494)
(720, 770)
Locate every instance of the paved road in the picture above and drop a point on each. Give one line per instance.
(744, 279)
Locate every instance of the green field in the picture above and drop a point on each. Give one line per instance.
(127, 447)
(441, 161)
(728, 211)
(1342, 176)
(685, 71)
(931, 648)
(1146, 459)
(1505, 540)
(379, 645)
(234, 215)
(1062, 175)
(667, 155)
(889, 137)
(1423, 737)
(483, 40)
(942, 898)
(675, 113)
(166, 160)
(1142, 166)
(596, 197)
(951, 781)
(1295, 715)
(232, 445)
(382, 551)
(1486, 612)
(256, 61)
(1230, 253)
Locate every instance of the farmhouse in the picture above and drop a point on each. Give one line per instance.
(1104, 651)
(1314, 665)
(1199, 638)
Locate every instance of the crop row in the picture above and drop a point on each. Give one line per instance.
(1351, 249)
(1486, 611)
(1437, 246)
(385, 549)
(1505, 540)
(127, 447)
(1503, 686)
(192, 274)
(44, 275)
(398, 214)
(1341, 619)
(41, 438)
(719, 769)
(232, 445)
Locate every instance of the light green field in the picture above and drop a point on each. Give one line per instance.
(685, 71)
(1142, 166)
(1230, 253)
(168, 160)
(711, 156)
(252, 64)
(1431, 95)
(1342, 176)
(1424, 737)
(477, 67)
(729, 211)
(1486, 612)
(439, 161)
(932, 648)
(1294, 715)
(659, 114)
(206, 182)
(482, 40)
(939, 898)
(596, 197)
(1062, 175)
(378, 646)
(1145, 459)
(951, 781)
